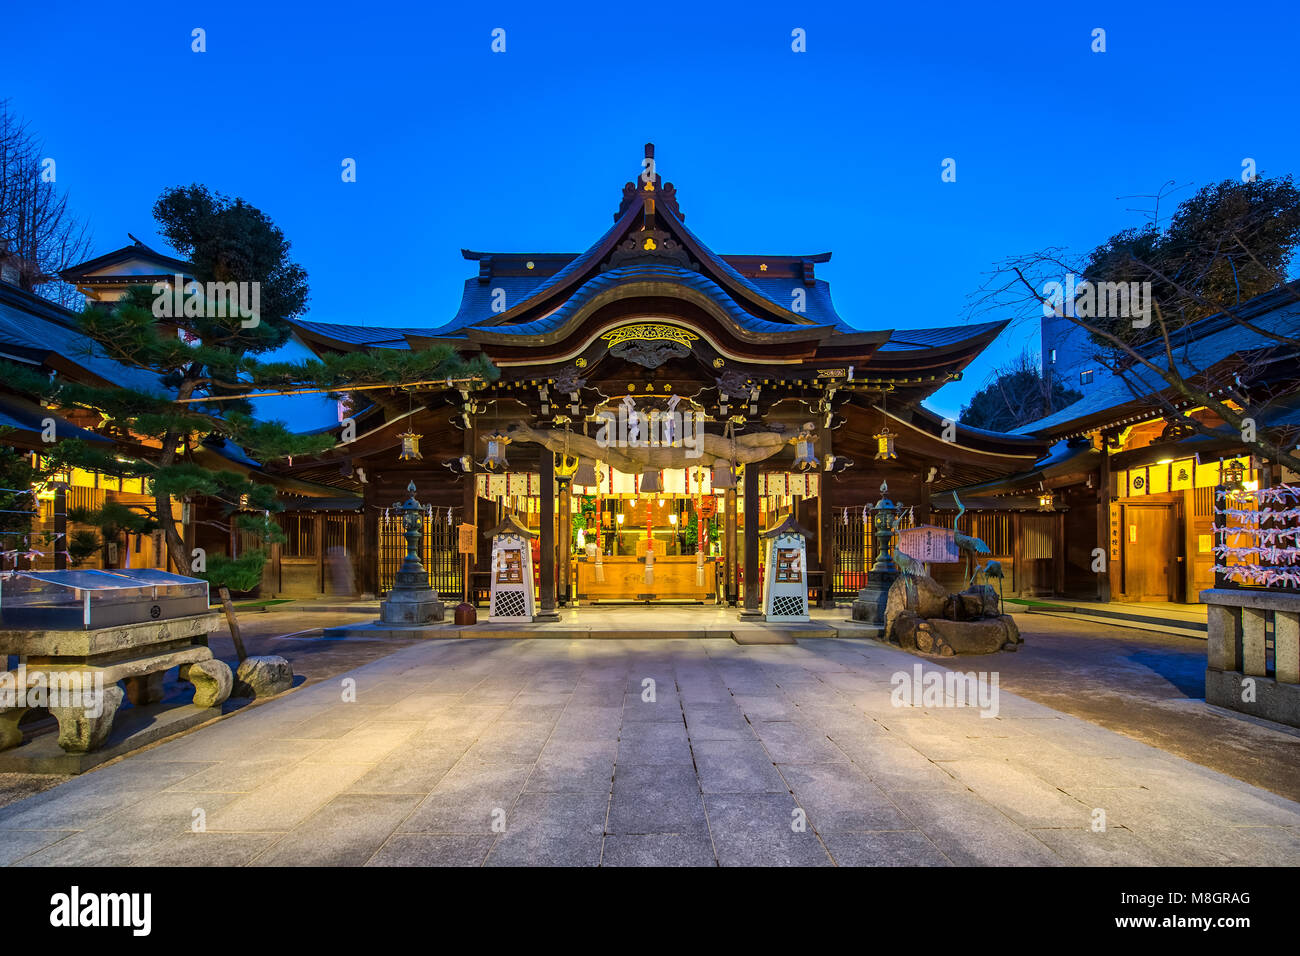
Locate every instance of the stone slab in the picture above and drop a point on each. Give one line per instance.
(133, 728)
(1273, 700)
(106, 640)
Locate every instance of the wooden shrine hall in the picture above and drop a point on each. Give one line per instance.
(657, 403)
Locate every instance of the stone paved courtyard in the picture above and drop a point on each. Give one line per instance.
(544, 752)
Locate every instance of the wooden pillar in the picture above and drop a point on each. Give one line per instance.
(565, 532)
(826, 523)
(469, 511)
(1018, 576)
(923, 501)
(729, 555)
(320, 552)
(187, 530)
(1103, 522)
(369, 557)
(547, 588)
(752, 583)
(1058, 554)
(61, 529)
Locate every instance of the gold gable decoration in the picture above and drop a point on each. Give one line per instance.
(649, 332)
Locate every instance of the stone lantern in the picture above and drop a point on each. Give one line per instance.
(411, 602)
(870, 605)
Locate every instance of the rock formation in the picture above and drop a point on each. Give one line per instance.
(921, 616)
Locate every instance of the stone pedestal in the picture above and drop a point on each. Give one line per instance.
(412, 602)
(82, 669)
(869, 607)
(1236, 661)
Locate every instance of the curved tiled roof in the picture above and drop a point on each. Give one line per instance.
(645, 273)
(29, 322)
(1202, 345)
(729, 270)
(579, 264)
(374, 336)
(903, 340)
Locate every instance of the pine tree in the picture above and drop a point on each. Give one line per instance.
(207, 356)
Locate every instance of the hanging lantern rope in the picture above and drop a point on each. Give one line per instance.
(600, 547)
(649, 542)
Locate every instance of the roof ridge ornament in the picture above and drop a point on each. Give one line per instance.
(656, 244)
(649, 186)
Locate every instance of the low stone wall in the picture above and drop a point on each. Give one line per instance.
(1236, 674)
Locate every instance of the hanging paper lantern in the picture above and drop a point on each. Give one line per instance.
(565, 466)
(410, 447)
(804, 457)
(1233, 473)
(1046, 501)
(885, 445)
(496, 451)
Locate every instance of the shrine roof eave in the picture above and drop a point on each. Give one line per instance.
(1072, 465)
(974, 441)
(214, 459)
(509, 525)
(333, 337)
(950, 343)
(555, 292)
(646, 281)
(382, 437)
(78, 273)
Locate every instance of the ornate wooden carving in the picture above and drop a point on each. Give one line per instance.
(655, 245)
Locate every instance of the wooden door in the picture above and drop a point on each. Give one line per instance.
(1148, 555)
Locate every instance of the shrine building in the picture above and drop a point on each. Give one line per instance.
(657, 404)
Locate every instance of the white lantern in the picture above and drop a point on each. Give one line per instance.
(511, 597)
(785, 592)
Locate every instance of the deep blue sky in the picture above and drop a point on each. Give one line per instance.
(835, 149)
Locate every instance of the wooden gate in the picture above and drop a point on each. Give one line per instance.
(1147, 553)
(855, 550)
(439, 548)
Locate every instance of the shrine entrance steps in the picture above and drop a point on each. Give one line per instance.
(635, 622)
(1185, 620)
